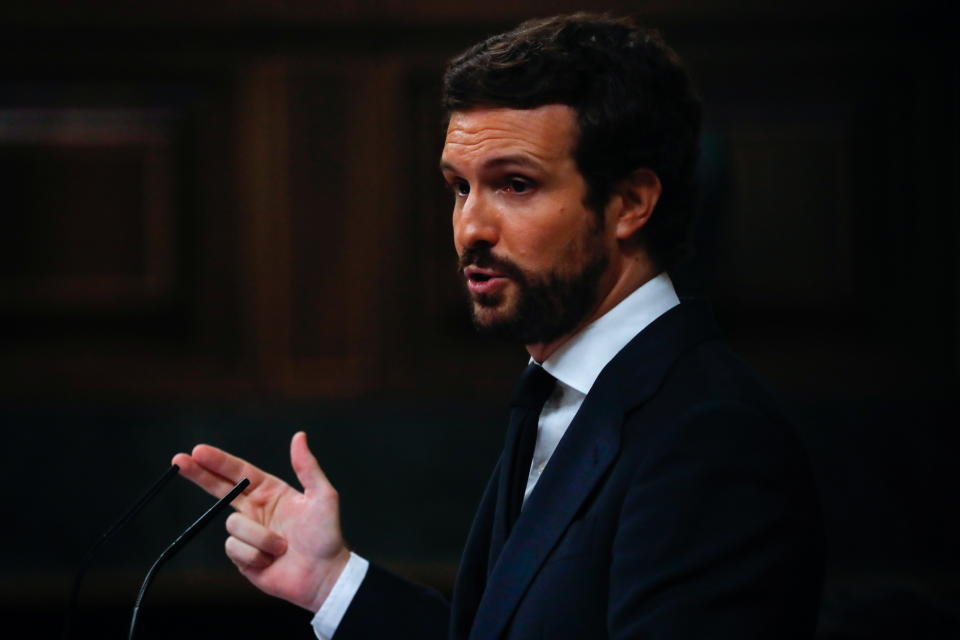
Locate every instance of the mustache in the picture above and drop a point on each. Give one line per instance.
(482, 257)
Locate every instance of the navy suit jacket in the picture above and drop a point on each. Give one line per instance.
(679, 504)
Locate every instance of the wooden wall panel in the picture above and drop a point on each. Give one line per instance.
(335, 228)
(312, 145)
(822, 230)
(89, 218)
(790, 185)
(109, 261)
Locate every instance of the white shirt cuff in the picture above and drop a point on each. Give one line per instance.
(331, 612)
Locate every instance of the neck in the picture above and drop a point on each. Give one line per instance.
(632, 272)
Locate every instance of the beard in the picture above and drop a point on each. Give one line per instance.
(547, 305)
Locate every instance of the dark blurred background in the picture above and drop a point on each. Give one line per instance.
(222, 222)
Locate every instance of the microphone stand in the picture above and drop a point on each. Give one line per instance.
(109, 533)
(178, 544)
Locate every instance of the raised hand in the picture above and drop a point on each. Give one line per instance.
(287, 543)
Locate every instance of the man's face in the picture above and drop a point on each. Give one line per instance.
(531, 252)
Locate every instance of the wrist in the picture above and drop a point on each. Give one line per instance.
(329, 581)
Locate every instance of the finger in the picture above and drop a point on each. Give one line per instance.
(305, 465)
(228, 467)
(245, 556)
(212, 483)
(256, 535)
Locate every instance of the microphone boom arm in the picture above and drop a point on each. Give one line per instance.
(178, 544)
(121, 522)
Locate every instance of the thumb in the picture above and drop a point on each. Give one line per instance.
(308, 472)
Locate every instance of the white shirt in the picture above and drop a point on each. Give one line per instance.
(576, 365)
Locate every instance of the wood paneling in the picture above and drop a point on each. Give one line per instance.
(256, 209)
(89, 214)
(316, 225)
(112, 231)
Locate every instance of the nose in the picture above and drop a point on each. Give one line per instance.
(475, 222)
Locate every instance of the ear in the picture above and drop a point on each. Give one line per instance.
(638, 195)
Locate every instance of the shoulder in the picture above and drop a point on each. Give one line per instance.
(716, 501)
(714, 413)
(710, 384)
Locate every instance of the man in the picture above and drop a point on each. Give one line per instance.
(664, 496)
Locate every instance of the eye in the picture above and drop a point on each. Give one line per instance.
(460, 188)
(518, 185)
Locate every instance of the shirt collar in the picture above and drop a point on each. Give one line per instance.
(580, 360)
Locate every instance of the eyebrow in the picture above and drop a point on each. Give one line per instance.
(520, 160)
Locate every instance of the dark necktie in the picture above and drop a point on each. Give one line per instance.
(532, 392)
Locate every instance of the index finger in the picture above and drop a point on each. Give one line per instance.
(217, 472)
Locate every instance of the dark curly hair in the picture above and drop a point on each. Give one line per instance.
(635, 106)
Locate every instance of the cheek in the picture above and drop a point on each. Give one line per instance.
(550, 240)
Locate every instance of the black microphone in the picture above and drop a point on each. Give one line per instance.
(88, 558)
(178, 544)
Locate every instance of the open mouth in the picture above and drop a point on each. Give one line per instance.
(483, 280)
(480, 274)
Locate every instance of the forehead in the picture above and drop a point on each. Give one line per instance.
(544, 135)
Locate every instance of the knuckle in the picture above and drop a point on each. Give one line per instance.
(277, 545)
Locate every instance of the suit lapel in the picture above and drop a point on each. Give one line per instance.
(472, 573)
(577, 465)
(580, 461)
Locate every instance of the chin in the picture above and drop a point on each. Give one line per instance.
(491, 319)
(487, 317)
